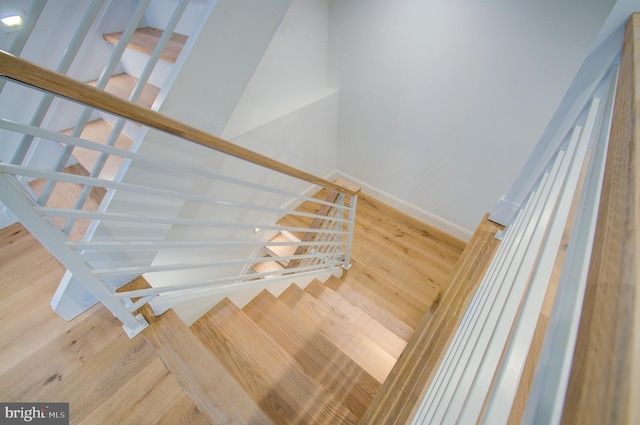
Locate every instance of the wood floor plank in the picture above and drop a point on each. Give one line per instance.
(265, 370)
(104, 375)
(387, 216)
(143, 400)
(57, 360)
(83, 362)
(184, 412)
(366, 353)
(416, 256)
(335, 371)
(29, 334)
(17, 245)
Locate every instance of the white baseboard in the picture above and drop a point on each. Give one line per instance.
(411, 210)
(6, 217)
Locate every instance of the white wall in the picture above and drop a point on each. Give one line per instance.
(292, 72)
(441, 102)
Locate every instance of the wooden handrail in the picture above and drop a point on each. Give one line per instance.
(25, 72)
(604, 386)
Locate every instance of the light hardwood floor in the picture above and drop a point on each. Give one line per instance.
(400, 269)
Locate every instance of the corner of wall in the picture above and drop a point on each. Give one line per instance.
(407, 208)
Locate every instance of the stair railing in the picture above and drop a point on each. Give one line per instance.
(95, 12)
(572, 224)
(189, 230)
(502, 316)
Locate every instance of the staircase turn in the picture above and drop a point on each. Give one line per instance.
(316, 355)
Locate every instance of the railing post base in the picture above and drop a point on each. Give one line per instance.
(142, 325)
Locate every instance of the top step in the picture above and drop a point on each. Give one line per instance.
(145, 39)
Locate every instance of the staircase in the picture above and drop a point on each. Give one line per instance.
(102, 130)
(283, 245)
(122, 85)
(316, 355)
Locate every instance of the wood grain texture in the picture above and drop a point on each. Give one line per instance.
(403, 390)
(335, 371)
(214, 392)
(415, 256)
(122, 85)
(345, 340)
(32, 74)
(101, 380)
(365, 352)
(604, 386)
(144, 40)
(184, 412)
(356, 319)
(266, 371)
(522, 394)
(89, 362)
(372, 303)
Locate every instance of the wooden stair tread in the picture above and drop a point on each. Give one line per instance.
(266, 371)
(268, 266)
(405, 386)
(370, 307)
(281, 250)
(408, 259)
(366, 353)
(64, 195)
(358, 320)
(144, 40)
(206, 381)
(362, 284)
(99, 131)
(317, 355)
(122, 85)
(295, 221)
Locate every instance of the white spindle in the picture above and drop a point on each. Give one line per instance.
(548, 388)
(105, 262)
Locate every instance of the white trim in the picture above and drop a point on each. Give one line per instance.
(415, 212)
